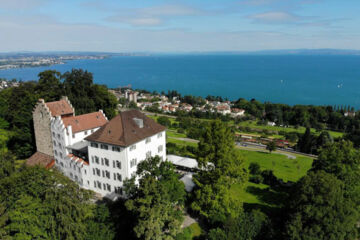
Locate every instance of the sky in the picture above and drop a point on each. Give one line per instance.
(178, 26)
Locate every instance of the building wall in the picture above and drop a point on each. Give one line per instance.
(42, 129)
(62, 138)
(125, 157)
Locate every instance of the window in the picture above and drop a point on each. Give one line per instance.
(95, 184)
(55, 143)
(71, 175)
(74, 167)
(79, 170)
(106, 161)
(94, 173)
(76, 177)
(102, 161)
(61, 154)
(55, 153)
(116, 149)
(107, 173)
(104, 186)
(97, 159)
(118, 190)
(148, 154)
(133, 162)
(88, 183)
(60, 146)
(92, 130)
(73, 135)
(108, 186)
(92, 159)
(114, 163)
(148, 140)
(95, 145)
(61, 164)
(57, 161)
(98, 172)
(104, 146)
(114, 176)
(160, 148)
(58, 136)
(85, 132)
(85, 172)
(99, 184)
(53, 134)
(119, 177)
(159, 135)
(133, 147)
(118, 164)
(103, 174)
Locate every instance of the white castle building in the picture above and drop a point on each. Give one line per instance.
(96, 153)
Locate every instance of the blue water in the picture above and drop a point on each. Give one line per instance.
(292, 80)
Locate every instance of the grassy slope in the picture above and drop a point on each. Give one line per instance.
(283, 167)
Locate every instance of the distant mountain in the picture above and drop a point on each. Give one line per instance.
(284, 52)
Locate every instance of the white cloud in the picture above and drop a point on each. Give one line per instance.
(152, 16)
(54, 36)
(275, 17)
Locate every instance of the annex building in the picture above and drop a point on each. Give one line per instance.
(96, 153)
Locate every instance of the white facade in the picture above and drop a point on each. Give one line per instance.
(63, 137)
(107, 166)
(110, 165)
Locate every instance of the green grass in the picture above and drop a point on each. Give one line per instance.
(172, 133)
(283, 167)
(252, 124)
(181, 143)
(195, 230)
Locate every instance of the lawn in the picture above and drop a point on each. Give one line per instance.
(252, 124)
(181, 142)
(283, 167)
(172, 133)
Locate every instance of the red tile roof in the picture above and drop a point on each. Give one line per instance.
(60, 108)
(85, 121)
(122, 130)
(41, 159)
(77, 159)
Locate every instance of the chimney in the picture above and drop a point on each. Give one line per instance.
(139, 122)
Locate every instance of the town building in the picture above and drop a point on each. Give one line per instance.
(42, 115)
(96, 153)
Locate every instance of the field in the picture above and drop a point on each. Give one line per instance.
(252, 124)
(283, 167)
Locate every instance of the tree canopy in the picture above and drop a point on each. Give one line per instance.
(156, 201)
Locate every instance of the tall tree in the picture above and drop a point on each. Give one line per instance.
(156, 201)
(319, 211)
(220, 165)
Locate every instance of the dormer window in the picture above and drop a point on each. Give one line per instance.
(148, 140)
(139, 122)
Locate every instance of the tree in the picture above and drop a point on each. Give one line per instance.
(342, 160)
(306, 141)
(156, 201)
(100, 226)
(49, 85)
(165, 121)
(254, 168)
(318, 210)
(271, 146)
(220, 166)
(42, 204)
(246, 227)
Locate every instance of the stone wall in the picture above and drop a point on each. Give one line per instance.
(42, 128)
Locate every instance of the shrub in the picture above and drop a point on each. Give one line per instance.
(254, 168)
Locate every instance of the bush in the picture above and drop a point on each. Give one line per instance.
(254, 168)
(269, 178)
(256, 179)
(180, 130)
(165, 121)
